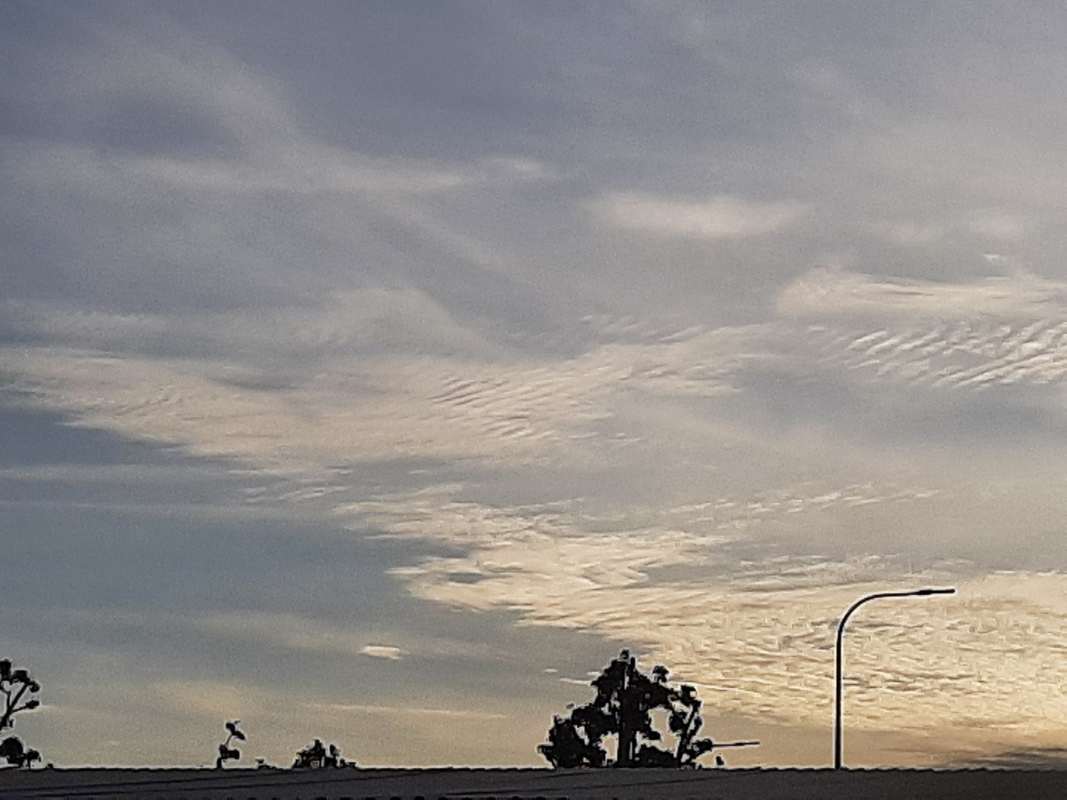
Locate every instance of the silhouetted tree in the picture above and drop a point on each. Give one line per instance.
(12, 751)
(623, 706)
(567, 747)
(17, 688)
(15, 685)
(227, 753)
(685, 723)
(625, 698)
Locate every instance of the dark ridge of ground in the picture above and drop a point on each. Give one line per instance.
(511, 784)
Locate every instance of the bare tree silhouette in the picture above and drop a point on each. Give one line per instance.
(15, 685)
(18, 689)
(623, 706)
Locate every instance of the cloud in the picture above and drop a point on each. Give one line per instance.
(704, 584)
(306, 168)
(719, 217)
(384, 323)
(292, 631)
(447, 713)
(829, 293)
(1000, 226)
(207, 159)
(762, 642)
(209, 697)
(1032, 758)
(910, 233)
(997, 331)
(343, 323)
(474, 406)
(386, 651)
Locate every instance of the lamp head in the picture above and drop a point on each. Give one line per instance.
(928, 592)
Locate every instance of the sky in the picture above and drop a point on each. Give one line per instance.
(376, 371)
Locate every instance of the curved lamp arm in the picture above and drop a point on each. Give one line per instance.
(840, 637)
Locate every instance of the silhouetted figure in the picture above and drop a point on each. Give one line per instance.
(12, 751)
(227, 753)
(623, 706)
(316, 756)
(15, 685)
(311, 756)
(334, 758)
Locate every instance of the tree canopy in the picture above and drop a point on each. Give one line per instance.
(623, 705)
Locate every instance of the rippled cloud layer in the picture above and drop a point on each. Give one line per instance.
(587, 362)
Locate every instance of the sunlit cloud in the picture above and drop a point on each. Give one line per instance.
(386, 651)
(766, 616)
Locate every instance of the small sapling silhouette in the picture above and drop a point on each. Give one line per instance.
(227, 753)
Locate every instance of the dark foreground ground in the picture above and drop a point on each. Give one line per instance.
(505, 784)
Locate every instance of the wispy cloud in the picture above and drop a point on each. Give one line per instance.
(447, 713)
(767, 617)
(825, 292)
(718, 217)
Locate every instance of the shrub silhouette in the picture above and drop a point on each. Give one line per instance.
(316, 756)
(623, 706)
(227, 753)
(12, 751)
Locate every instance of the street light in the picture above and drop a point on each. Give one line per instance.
(840, 637)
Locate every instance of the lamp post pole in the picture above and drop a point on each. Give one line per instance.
(838, 742)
